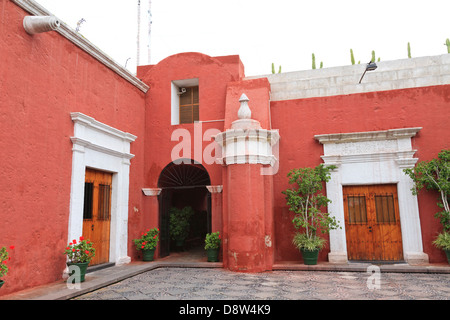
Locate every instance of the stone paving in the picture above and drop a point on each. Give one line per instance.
(221, 284)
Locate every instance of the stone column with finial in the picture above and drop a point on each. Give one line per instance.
(246, 149)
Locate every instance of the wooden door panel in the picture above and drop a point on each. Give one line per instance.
(378, 237)
(97, 215)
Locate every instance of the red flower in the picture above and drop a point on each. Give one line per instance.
(142, 247)
(154, 237)
(12, 247)
(74, 241)
(73, 250)
(87, 252)
(81, 238)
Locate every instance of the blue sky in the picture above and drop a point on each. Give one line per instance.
(285, 32)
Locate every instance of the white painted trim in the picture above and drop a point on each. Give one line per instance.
(176, 86)
(151, 192)
(99, 146)
(36, 9)
(376, 157)
(215, 189)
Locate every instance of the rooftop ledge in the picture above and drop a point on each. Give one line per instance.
(36, 9)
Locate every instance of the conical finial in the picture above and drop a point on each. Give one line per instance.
(244, 111)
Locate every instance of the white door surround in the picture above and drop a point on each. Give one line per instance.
(376, 157)
(99, 146)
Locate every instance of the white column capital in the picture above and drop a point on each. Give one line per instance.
(215, 189)
(151, 191)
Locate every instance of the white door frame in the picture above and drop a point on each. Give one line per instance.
(366, 158)
(99, 146)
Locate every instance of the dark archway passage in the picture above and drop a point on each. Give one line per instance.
(184, 185)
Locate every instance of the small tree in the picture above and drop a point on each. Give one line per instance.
(434, 175)
(306, 201)
(179, 222)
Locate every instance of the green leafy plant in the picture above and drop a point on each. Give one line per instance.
(179, 222)
(435, 175)
(81, 251)
(313, 61)
(301, 240)
(409, 50)
(442, 241)
(4, 259)
(447, 43)
(212, 240)
(307, 203)
(148, 240)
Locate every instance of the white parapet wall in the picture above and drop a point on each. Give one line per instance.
(390, 75)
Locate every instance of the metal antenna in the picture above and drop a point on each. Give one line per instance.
(138, 31)
(149, 27)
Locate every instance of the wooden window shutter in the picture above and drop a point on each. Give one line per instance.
(189, 105)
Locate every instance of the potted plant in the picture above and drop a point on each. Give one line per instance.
(435, 175)
(179, 224)
(147, 243)
(80, 254)
(4, 259)
(306, 201)
(212, 245)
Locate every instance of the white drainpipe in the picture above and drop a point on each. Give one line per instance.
(39, 24)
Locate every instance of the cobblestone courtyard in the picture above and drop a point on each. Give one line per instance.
(220, 284)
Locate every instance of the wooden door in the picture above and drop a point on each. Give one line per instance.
(97, 213)
(372, 223)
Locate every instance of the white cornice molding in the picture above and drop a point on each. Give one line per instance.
(151, 192)
(36, 9)
(78, 142)
(215, 189)
(367, 136)
(81, 118)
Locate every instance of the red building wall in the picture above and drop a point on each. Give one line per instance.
(299, 120)
(42, 79)
(45, 77)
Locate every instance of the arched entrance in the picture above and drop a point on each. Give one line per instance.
(182, 185)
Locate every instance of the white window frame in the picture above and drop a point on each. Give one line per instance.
(176, 87)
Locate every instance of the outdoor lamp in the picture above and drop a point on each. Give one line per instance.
(370, 67)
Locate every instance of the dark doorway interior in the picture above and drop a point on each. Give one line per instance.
(183, 185)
